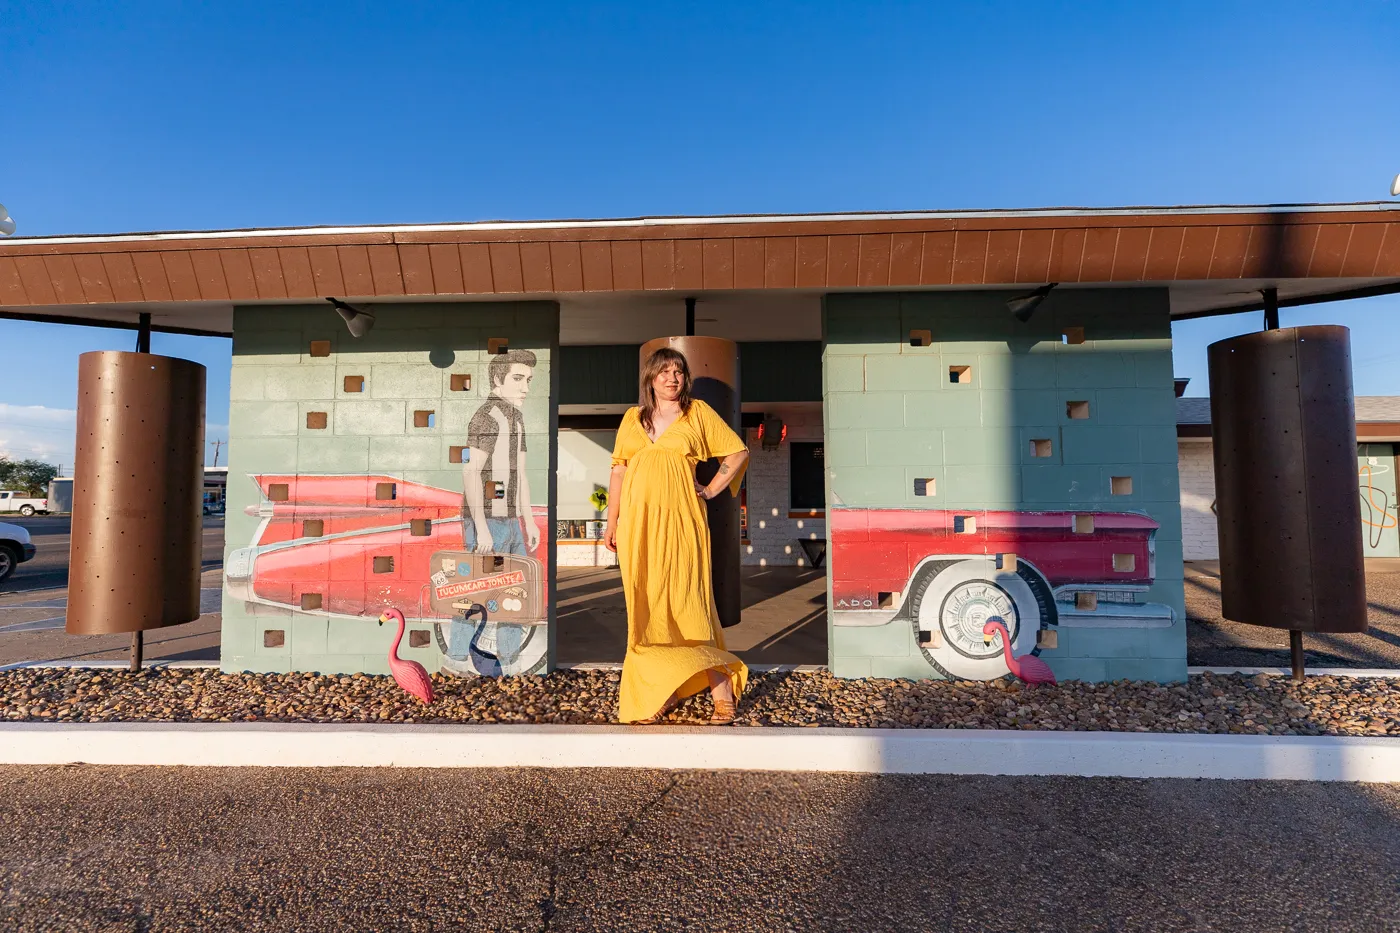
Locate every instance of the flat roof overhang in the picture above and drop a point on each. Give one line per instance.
(1213, 259)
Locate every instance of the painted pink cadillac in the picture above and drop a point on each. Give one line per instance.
(946, 572)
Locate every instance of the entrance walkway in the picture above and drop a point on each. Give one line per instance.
(784, 616)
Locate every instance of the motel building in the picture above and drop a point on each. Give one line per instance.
(938, 437)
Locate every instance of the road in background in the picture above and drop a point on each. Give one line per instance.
(51, 534)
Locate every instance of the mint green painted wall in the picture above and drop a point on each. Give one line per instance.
(892, 416)
(407, 360)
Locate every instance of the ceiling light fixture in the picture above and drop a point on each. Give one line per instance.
(1023, 306)
(356, 321)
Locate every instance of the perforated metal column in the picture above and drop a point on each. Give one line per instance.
(137, 488)
(1284, 424)
(714, 370)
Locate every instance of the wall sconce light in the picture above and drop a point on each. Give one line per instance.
(356, 321)
(772, 432)
(1023, 306)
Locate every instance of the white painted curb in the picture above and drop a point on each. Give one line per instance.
(874, 751)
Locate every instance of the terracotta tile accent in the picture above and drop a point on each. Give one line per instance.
(842, 261)
(1363, 249)
(936, 267)
(419, 638)
(319, 348)
(355, 270)
(626, 265)
(1130, 257)
(420, 527)
(417, 269)
(93, 275)
(1100, 246)
(748, 262)
(906, 255)
(63, 275)
(718, 263)
(11, 286)
(970, 257)
(811, 261)
(313, 528)
(150, 271)
(658, 264)
(296, 272)
(1164, 246)
(121, 272)
(535, 270)
(690, 264)
(316, 421)
(1066, 256)
(354, 384)
(276, 637)
(874, 263)
(325, 267)
(310, 601)
(1033, 260)
(446, 269)
(597, 266)
(476, 269)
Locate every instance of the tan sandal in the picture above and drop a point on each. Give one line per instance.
(657, 717)
(726, 711)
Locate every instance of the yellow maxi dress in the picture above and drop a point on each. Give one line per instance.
(663, 549)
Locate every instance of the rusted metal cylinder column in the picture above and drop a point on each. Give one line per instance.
(714, 371)
(1284, 426)
(138, 482)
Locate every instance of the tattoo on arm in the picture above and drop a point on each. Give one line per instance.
(723, 468)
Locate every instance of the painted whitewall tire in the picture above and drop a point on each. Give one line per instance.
(26, 510)
(955, 601)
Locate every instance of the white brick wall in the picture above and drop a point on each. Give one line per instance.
(772, 535)
(1197, 468)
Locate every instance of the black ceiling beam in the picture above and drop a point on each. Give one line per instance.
(1346, 294)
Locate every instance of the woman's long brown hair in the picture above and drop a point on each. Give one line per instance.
(655, 365)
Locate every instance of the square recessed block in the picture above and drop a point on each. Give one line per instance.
(274, 638)
(920, 338)
(311, 601)
(277, 492)
(1083, 524)
(1047, 638)
(1042, 447)
(1073, 335)
(1121, 485)
(1077, 411)
(461, 382)
(423, 419)
(930, 639)
(1124, 563)
(1086, 602)
(884, 600)
(964, 524)
(496, 345)
(457, 455)
(313, 528)
(494, 490)
(497, 562)
(386, 492)
(383, 565)
(354, 383)
(1006, 562)
(419, 638)
(420, 527)
(960, 375)
(320, 348)
(925, 487)
(316, 420)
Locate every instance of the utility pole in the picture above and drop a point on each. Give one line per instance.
(217, 445)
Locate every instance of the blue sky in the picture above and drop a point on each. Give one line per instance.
(156, 116)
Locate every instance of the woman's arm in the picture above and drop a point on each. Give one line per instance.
(728, 467)
(614, 505)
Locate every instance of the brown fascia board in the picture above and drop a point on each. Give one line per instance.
(1364, 430)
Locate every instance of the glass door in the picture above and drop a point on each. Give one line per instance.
(1376, 477)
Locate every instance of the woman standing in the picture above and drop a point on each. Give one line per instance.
(656, 524)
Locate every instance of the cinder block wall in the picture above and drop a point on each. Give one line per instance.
(407, 362)
(894, 416)
(1200, 537)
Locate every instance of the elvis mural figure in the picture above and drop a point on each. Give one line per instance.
(497, 519)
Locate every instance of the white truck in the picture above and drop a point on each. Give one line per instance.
(12, 501)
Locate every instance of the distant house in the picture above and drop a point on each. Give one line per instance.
(1378, 444)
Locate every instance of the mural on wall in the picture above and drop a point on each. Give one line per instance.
(946, 573)
(473, 564)
(1380, 515)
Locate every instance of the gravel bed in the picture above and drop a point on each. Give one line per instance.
(1208, 703)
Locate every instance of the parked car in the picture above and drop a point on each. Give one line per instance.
(15, 549)
(12, 501)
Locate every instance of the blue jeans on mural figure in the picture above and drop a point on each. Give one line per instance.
(464, 638)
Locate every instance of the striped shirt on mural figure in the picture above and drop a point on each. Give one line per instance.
(496, 513)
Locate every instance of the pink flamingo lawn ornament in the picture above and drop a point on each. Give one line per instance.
(410, 675)
(1027, 667)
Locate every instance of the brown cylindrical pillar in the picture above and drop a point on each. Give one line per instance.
(714, 371)
(1284, 425)
(138, 479)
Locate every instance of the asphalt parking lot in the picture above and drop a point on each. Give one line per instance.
(156, 849)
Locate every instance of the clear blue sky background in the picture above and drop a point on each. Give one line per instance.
(159, 116)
